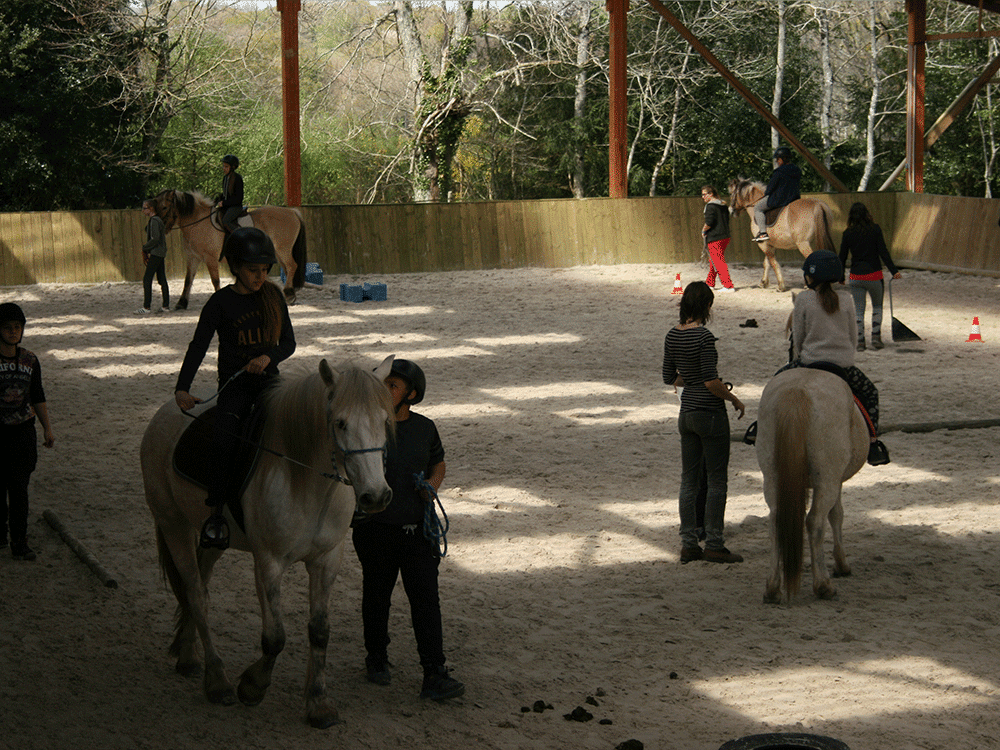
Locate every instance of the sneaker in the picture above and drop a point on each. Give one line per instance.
(728, 289)
(762, 237)
(143, 311)
(438, 686)
(22, 552)
(722, 556)
(215, 533)
(378, 671)
(877, 342)
(750, 437)
(163, 310)
(689, 554)
(877, 454)
(861, 345)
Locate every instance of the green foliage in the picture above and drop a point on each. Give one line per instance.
(57, 127)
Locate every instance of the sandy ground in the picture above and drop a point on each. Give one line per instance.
(562, 581)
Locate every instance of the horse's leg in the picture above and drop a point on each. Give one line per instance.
(763, 277)
(257, 677)
(192, 594)
(322, 572)
(840, 566)
(825, 495)
(776, 267)
(192, 269)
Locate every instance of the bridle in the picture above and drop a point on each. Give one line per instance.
(343, 454)
(174, 214)
(740, 189)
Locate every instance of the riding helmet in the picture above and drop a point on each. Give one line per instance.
(9, 311)
(823, 265)
(231, 160)
(248, 245)
(412, 374)
(783, 152)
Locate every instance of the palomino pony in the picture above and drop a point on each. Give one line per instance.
(203, 236)
(292, 512)
(803, 224)
(810, 434)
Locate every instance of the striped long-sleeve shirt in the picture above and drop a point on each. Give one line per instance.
(691, 353)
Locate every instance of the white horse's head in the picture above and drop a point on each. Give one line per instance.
(361, 419)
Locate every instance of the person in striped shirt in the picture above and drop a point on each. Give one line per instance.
(690, 361)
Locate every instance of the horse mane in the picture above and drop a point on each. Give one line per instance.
(186, 202)
(741, 188)
(297, 408)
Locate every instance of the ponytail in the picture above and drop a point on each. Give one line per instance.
(828, 298)
(272, 312)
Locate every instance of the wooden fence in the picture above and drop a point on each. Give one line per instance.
(94, 246)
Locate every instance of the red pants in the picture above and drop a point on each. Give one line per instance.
(717, 253)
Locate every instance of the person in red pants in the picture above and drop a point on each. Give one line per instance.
(716, 234)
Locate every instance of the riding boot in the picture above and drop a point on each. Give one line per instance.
(877, 340)
(861, 342)
(215, 531)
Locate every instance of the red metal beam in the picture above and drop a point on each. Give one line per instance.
(916, 11)
(289, 10)
(617, 131)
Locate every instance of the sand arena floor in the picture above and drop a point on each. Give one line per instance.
(562, 580)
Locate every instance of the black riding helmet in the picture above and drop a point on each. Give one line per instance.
(9, 311)
(231, 160)
(248, 245)
(783, 152)
(821, 266)
(413, 375)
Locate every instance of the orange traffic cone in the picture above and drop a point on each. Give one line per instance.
(678, 289)
(974, 335)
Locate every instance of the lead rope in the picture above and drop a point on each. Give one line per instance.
(434, 530)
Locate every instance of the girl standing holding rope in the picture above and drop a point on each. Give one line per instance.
(392, 543)
(255, 335)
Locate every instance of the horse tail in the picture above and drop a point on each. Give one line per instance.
(792, 488)
(823, 228)
(169, 571)
(299, 256)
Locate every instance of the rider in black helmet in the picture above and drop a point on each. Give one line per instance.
(824, 330)
(255, 335)
(782, 189)
(230, 203)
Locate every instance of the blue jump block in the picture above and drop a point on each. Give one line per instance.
(375, 292)
(351, 293)
(314, 274)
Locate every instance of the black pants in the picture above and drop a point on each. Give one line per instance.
(234, 405)
(155, 267)
(230, 217)
(18, 456)
(386, 552)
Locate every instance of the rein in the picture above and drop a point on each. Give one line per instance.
(335, 476)
(176, 214)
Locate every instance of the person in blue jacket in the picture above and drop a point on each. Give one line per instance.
(782, 189)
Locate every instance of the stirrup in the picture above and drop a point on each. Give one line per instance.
(215, 533)
(750, 438)
(877, 454)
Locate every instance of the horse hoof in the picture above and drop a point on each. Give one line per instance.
(772, 597)
(842, 572)
(826, 591)
(250, 694)
(182, 305)
(324, 719)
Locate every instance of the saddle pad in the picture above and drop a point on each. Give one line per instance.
(771, 215)
(194, 454)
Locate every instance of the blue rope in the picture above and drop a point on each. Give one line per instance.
(434, 530)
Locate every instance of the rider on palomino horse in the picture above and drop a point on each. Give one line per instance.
(782, 189)
(230, 203)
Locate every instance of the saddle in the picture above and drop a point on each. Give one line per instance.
(771, 215)
(194, 454)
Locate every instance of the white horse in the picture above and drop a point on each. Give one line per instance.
(810, 434)
(292, 510)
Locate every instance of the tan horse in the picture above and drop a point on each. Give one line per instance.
(810, 434)
(203, 236)
(325, 438)
(803, 224)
